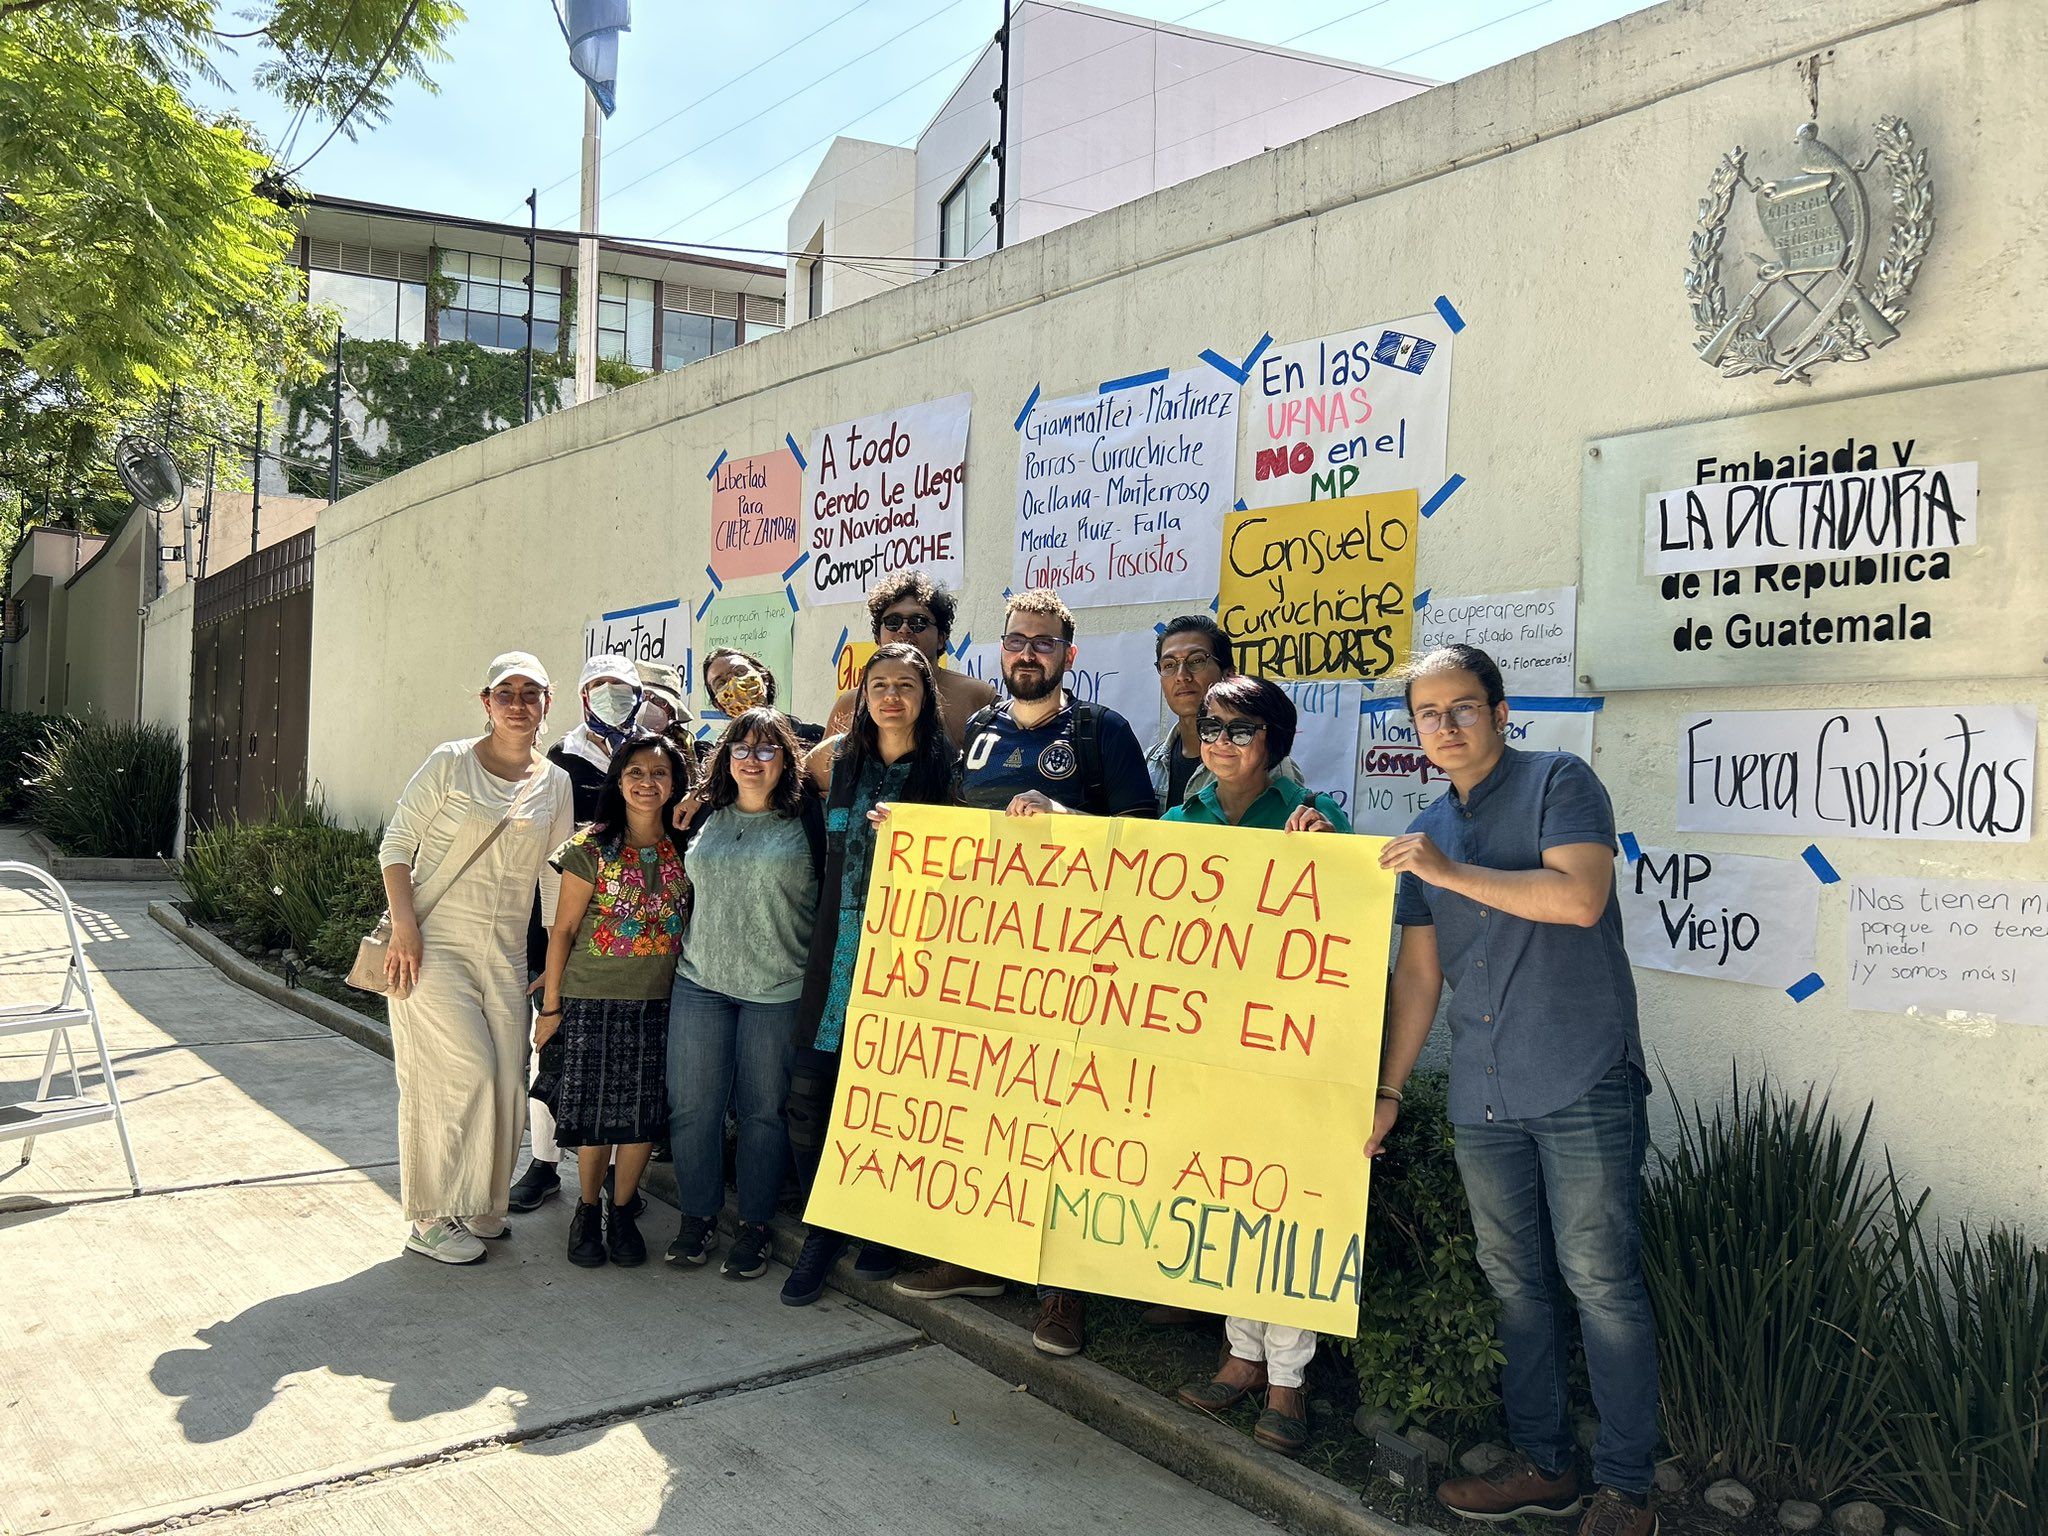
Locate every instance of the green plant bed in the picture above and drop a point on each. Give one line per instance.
(107, 790)
(23, 739)
(296, 881)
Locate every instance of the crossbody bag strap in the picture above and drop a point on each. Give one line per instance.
(490, 837)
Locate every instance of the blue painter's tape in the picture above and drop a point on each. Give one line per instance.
(1805, 987)
(1449, 311)
(1215, 601)
(1007, 594)
(1422, 599)
(1241, 507)
(705, 606)
(1111, 386)
(1030, 404)
(716, 584)
(1377, 706)
(1817, 861)
(634, 613)
(1530, 704)
(965, 641)
(802, 560)
(1443, 494)
(703, 731)
(790, 593)
(1237, 373)
(1630, 848)
(1158, 629)
(796, 452)
(713, 470)
(839, 650)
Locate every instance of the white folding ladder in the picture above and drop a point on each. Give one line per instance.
(43, 1115)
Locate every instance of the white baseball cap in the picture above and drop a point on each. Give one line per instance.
(516, 664)
(615, 668)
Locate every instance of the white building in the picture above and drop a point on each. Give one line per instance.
(1103, 109)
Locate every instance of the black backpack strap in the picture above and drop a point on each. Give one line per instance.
(1087, 734)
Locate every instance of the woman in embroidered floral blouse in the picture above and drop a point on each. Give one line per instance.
(611, 961)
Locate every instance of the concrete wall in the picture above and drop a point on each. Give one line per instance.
(1553, 197)
(858, 204)
(32, 671)
(103, 625)
(167, 673)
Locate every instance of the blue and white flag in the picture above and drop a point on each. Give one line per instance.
(592, 28)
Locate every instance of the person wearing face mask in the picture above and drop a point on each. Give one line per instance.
(662, 710)
(737, 681)
(610, 692)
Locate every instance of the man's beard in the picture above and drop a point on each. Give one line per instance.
(1035, 685)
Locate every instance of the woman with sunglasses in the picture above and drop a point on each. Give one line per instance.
(895, 750)
(754, 853)
(1246, 728)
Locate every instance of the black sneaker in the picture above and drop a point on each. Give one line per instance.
(747, 1259)
(806, 1282)
(622, 1234)
(693, 1243)
(539, 1183)
(877, 1261)
(586, 1236)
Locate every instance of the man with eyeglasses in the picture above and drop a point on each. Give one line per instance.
(907, 607)
(1193, 654)
(1507, 897)
(1042, 752)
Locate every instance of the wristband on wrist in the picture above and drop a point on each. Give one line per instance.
(1389, 1091)
(549, 1013)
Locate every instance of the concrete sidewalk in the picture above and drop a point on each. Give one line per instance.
(246, 1344)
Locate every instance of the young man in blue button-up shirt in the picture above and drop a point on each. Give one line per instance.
(1507, 897)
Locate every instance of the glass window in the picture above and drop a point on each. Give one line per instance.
(488, 304)
(372, 308)
(412, 313)
(625, 319)
(685, 336)
(966, 223)
(814, 288)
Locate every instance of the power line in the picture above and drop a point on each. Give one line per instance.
(291, 137)
(375, 74)
(1455, 36)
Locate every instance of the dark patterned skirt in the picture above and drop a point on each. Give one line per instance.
(614, 1072)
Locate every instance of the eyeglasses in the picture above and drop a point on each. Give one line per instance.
(913, 623)
(505, 698)
(1186, 665)
(1015, 644)
(1242, 733)
(759, 752)
(1464, 716)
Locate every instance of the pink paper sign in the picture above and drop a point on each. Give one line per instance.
(754, 515)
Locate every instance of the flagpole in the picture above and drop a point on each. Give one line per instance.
(586, 255)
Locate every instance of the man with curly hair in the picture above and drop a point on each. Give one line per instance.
(908, 607)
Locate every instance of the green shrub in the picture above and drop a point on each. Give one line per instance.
(1774, 1260)
(296, 881)
(110, 790)
(1967, 1435)
(23, 738)
(1426, 1346)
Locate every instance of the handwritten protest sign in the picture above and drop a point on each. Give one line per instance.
(1965, 773)
(1530, 635)
(755, 506)
(884, 494)
(1117, 1055)
(1974, 948)
(650, 632)
(1323, 589)
(854, 655)
(758, 623)
(1119, 495)
(1830, 517)
(1115, 671)
(1350, 415)
(1728, 916)
(1397, 782)
(1326, 736)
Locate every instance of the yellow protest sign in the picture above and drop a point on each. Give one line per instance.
(1321, 589)
(853, 656)
(1128, 1057)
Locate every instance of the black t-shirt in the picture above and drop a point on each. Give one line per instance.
(1179, 769)
(1005, 759)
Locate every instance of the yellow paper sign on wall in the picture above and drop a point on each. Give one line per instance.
(1321, 589)
(853, 656)
(1125, 1057)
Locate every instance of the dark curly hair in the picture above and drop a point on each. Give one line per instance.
(756, 725)
(917, 587)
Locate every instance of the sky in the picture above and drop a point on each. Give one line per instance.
(724, 111)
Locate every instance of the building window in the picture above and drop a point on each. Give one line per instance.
(814, 287)
(966, 226)
(372, 308)
(625, 319)
(488, 305)
(685, 336)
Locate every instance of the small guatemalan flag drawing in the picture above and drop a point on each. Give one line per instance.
(1410, 354)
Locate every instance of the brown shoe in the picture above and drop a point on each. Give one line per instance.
(1610, 1514)
(943, 1280)
(1515, 1487)
(1059, 1325)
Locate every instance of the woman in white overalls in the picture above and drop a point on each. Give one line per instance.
(458, 941)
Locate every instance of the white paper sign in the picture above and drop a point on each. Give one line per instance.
(1350, 414)
(1530, 635)
(1121, 496)
(1728, 916)
(1974, 947)
(1826, 517)
(1326, 736)
(650, 632)
(1965, 773)
(1396, 782)
(885, 494)
(1115, 671)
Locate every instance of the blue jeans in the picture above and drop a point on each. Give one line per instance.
(1581, 1168)
(720, 1050)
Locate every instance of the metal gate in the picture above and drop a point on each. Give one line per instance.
(252, 654)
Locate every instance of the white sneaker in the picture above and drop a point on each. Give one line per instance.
(487, 1227)
(447, 1242)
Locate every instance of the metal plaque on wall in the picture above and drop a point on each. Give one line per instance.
(1897, 536)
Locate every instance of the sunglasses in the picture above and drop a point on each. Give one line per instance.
(1038, 645)
(1242, 733)
(760, 752)
(913, 623)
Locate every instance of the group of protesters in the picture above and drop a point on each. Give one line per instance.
(646, 933)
